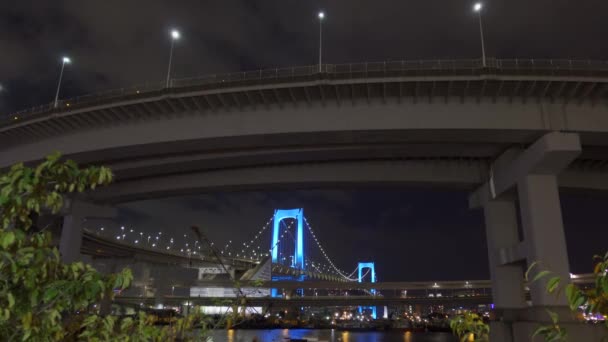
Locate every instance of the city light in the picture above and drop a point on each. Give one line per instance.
(477, 8)
(175, 35)
(321, 16)
(65, 60)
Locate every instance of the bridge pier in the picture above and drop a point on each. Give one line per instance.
(75, 212)
(507, 280)
(532, 174)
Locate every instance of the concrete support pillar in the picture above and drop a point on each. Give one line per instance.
(145, 278)
(71, 238)
(501, 232)
(105, 307)
(533, 173)
(75, 212)
(544, 233)
(161, 289)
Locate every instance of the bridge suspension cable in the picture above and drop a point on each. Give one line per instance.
(339, 272)
(249, 248)
(281, 237)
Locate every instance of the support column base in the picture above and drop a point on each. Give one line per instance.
(501, 331)
(522, 331)
(515, 325)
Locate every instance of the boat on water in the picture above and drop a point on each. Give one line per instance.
(355, 326)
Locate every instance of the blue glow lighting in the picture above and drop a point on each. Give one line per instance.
(298, 258)
(371, 266)
(279, 215)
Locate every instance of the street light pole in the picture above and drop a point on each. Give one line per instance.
(477, 8)
(321, 17)
(66, 60)
(174, 37)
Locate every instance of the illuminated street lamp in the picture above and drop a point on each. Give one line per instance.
(174, 36)
(321, 16)
(477, 8)
(65, 60)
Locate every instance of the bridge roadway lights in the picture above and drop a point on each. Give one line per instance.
(75, 212)
(532, 175)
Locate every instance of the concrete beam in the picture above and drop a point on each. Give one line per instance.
(75, 211)
(549, 155)
(512, 254)
(454, 174)
(90, 210)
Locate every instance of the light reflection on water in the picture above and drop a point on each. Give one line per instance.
(283, 335)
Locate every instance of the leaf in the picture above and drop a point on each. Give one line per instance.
(11, 300)
(598, 268)
(552, 284)
(579, 301)
(530, 270)
(7, 239)
(571, 293)
(541, 331)
(554, 316)
(49, 294)
(540, 275)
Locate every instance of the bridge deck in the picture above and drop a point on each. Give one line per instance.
(312, 301)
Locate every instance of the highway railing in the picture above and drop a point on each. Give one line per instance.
(329, 71)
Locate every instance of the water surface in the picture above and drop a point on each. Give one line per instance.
(282, 335)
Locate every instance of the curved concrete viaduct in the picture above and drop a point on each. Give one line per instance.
(237, 131)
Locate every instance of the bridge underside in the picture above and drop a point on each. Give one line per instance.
(435, 124)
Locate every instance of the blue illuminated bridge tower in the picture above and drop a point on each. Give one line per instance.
(278, 252)
(371, 269)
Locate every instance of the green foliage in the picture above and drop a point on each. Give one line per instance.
(43, 299)
(552, 332)
(470, 327)
(593, 301)
(25, 191)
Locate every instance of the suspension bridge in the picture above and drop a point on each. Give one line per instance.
(294, 249)
(295, 254)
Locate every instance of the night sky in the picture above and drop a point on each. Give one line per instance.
(411, 234)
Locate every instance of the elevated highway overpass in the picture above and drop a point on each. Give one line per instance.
(102, 248)
(321, 301)
(402, 122)
(583, 279)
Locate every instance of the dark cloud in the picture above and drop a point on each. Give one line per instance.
(123, 43)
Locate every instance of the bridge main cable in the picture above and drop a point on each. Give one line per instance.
(342, 274)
